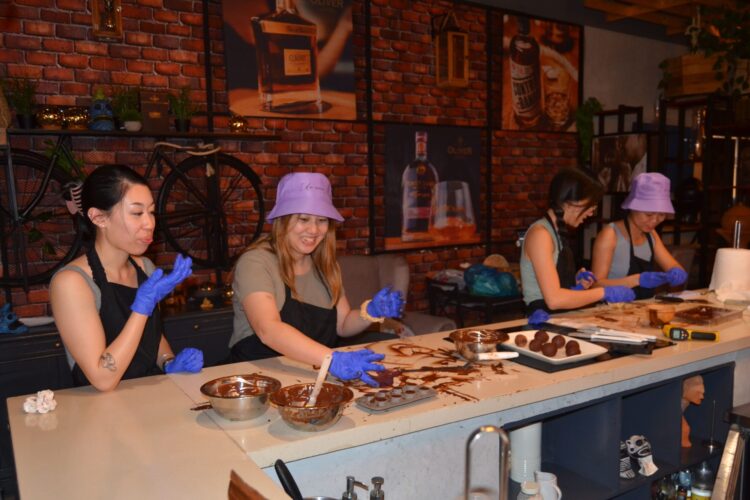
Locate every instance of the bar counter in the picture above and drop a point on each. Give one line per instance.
(143, 441)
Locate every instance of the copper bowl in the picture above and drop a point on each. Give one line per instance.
(240, 397)
(470, 342)
(291, 401)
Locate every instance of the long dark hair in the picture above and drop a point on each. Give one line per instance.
(572, 185)
(103, 189)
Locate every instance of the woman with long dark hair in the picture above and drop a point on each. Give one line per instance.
(548, 270)
(288, 297)
(105, 301)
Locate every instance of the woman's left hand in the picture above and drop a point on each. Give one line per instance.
(584, 280)
(189, 360)
(386, 304)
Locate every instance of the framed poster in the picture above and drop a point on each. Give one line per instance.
(541, 84)
(616, 159)
(295, 62)
(432, 186)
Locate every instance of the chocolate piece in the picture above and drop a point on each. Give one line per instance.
(542, 336)
(521, 340)
(502, 336)
(558, 341)
(572, 348)
(549, 349)
(535, 345)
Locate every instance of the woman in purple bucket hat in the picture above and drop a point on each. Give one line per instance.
(288, 297)
(630, 252)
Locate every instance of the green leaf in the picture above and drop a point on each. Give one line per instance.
(34, 235)
(48, 249)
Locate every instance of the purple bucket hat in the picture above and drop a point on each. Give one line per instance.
(649, 193)
(304, 193)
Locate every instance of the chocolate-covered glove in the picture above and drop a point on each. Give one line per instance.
(348, 365)
(618, 294)
(386, 304)
(651, 279)
(159, 285)
(584, 280)
(538, 317)
(189, 360)
(676, 276)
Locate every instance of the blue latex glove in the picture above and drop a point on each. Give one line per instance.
(676, 276)
(538, 317)
(386, 304)
(618, 294)
(158, 285)
(581, 276)
(189, 360)
(348, 365)
(652, 280)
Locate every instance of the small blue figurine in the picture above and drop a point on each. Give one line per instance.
(9, 321)
(100, 113)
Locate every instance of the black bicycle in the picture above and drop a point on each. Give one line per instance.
(209, 206)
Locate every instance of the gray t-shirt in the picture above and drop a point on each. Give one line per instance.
(621, 257)
(148, 268)
(257, 270)
(529, 282)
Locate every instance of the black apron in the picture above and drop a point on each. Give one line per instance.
(638, 265)
(566, 271)
(114, 313)
(318, 323)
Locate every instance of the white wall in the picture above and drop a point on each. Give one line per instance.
(624, 69)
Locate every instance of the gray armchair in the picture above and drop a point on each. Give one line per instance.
(365, 275)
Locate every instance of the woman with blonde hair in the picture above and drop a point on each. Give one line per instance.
(288, 297)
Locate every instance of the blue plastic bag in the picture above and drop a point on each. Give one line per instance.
(484, 280)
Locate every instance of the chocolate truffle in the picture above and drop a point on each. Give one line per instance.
(549, 349)
(558, 340)
(572, 348)
(501, 336)
(521, 340)
(541, 335)
(535, 345)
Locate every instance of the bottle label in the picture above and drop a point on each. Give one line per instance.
(297, 62)
(277, 28)
(525, 90)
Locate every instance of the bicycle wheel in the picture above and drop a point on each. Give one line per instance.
(211, 208)
(43, 236)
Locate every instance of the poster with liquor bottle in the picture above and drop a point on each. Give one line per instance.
(541, 84)
(432, 186)
(290, 58)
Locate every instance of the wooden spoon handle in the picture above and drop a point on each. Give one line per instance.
(319, 381)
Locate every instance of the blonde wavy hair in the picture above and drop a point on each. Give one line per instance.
(324, 256)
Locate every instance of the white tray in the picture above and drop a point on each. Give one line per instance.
(588, 350)
(37, 320)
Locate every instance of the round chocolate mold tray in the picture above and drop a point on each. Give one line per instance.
(385, 400)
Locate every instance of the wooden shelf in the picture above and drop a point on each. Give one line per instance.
(157, 135)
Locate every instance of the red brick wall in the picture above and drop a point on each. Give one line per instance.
(51, 40)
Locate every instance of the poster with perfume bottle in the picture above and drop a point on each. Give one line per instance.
(541, 77)
(432, 186)
(290, 58)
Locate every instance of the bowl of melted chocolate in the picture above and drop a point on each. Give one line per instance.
(240, 397)
(292, 403)
(471, 342)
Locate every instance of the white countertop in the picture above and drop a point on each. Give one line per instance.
(142, 440)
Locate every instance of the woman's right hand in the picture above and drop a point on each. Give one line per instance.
(348, 365)
(159, 285)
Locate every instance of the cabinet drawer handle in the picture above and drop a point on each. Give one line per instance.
(196, 326)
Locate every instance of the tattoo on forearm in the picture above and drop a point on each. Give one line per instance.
(108, 361)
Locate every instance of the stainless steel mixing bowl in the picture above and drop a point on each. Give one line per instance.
(291, 401)
(240, 397)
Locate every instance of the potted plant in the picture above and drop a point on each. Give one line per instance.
(585, 127)
(125, 103)
(720, 49)
(21, 93)
(182, 109)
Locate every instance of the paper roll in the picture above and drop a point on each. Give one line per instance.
(525, 452)
(731, 268)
